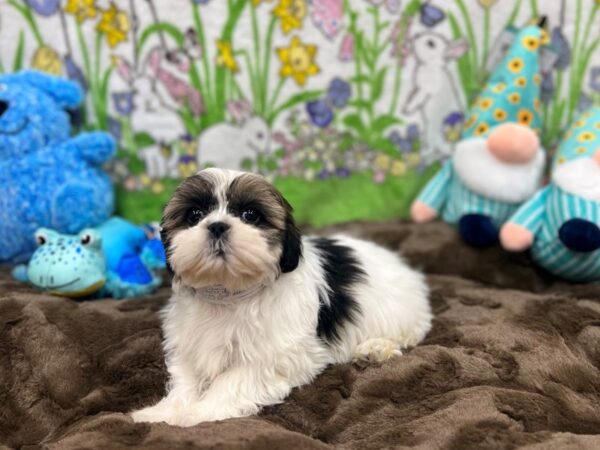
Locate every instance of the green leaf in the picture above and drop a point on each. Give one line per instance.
(161, 27)
(377, 87)
(292, 101)
(412, 8)
(19, 52)
(142, 140)
(360, 79)
(465, 70)
(354, 121)
(382, 144)
(513, 14)
(385, 121)
(360, 104)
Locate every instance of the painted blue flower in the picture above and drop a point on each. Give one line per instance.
(431, 15)
(343, 172)
(320, 112)
(324, 174)
(595, 79)
(74, 72)
(115, 128)
(201, 2)
(584, 103)
(407, 143)
(123, 102)
(561, 44)
(547, 88)
(339, 92)
(43, 7)
(453, 119)
(412, 132)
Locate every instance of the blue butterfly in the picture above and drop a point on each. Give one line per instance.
(431, 15)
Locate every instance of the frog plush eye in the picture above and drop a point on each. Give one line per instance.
(42, 237)
(89, 238)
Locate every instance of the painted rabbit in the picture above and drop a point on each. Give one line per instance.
(433, 53)
(153, 113)
(227, 146)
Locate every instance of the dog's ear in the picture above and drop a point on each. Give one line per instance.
(291, 242)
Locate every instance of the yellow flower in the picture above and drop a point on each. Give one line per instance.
(586, 136)
(514, 98)
(398, 168)
(531, 43)
(568, 134)
(225, 57)
(383, 161)
(47, 60)
(486, 4)
(81, 9)
(145, 180)
(471, 121)
(291, 13)
(258, 2)
(114, 23)
(580, 123)
(298, 60)
(521, 82)
(597, 125)
(537, 79)
(561, 160)
(157, 187)
(537, 104)
(515, 65)
(581, 150)
(500, 114)
(413, 159)
(499, 88)
(481, 129)
(486, 103)
(525, 116)
(544, 37)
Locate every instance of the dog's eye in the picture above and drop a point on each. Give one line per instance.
(194, 216)
(40, 239)
(250, 216)
(86, 239)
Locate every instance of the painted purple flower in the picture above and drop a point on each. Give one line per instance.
(412, 132)
(43, 7)
(115, 128)
(74, 72)
(453, 119)
(343, 172)
(453, 126)
(324, 174)
(201, 2)
(561, 44)
(547, 88)
(403, 144)
(320, 112)
(584, 103)
(346, 52)
(595, 79)
(123, 102)
(339, 92)
(431, 15)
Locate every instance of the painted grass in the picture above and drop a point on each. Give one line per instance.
(318, 203)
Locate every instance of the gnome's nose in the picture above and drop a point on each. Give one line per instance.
(513, 143)
(597, 156)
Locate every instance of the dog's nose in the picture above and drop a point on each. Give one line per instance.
(217, 229)
(3, 106)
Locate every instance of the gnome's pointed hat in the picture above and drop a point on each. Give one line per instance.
(512, 93)
(582, 140)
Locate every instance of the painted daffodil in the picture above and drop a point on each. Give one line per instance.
(298, 61)
(291, 14)
(81, 9)
(114, 23)
(225, 57)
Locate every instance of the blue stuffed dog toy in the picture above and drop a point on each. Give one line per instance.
(47, 178)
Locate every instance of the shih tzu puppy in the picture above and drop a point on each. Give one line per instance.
(258, 310)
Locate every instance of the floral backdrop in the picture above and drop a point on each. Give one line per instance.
(347, 105)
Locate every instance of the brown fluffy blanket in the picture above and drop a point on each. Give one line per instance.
(512, 362)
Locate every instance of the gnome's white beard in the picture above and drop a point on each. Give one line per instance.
(486, 175)
(579, 177)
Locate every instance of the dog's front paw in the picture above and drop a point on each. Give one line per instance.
(376, 350)
(154, 413)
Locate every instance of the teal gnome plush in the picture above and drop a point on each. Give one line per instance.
(499, 163)
(115, 259)
(561, 222)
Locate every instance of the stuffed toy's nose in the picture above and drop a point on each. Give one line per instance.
(513, 143)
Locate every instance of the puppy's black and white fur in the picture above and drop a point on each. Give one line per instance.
(257, 309)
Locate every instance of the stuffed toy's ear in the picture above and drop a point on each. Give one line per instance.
(66, 93)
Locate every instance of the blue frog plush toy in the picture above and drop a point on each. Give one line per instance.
(116, 259)
(561, 223)
(47, 178)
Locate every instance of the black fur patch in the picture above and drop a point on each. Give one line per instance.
(342, 270)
